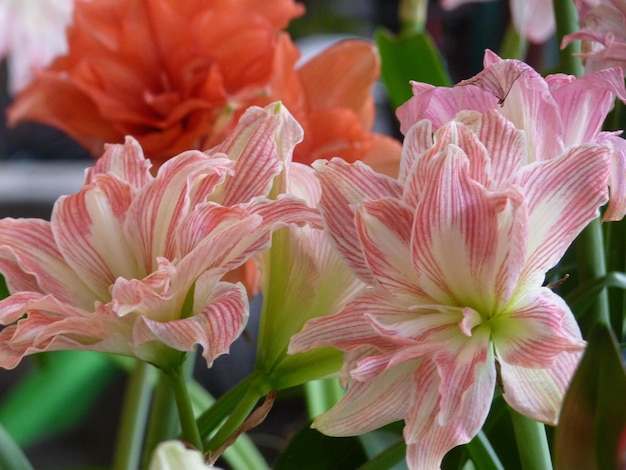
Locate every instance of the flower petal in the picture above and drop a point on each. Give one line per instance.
(563, 196)
(261, 143)
(384, 229)
(88, 230)
(29, 245)
(343, 185)
(369, 405)
(538, 392)
(220, 315)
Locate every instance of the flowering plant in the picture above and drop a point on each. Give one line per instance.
(451, 301)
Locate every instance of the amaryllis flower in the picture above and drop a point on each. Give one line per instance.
(454, 254)
(602, 32)
(133, 263)
(177, 75)
(32, 33)
(533, 19)
(555, 113)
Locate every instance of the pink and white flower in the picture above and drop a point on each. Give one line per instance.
(602, 32)
(454, 254)
(555, 113)
(133, 263)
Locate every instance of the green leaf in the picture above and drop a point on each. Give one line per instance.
(312, 450)
(53, 398)
(594, 410)
(409, 57)
(11, 456)
(580, 298)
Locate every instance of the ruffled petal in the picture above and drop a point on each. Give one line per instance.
(344, 185)
(563, 196)
(454, 234)
(261, 143)
(369, 405)
(538, 392)
(536, 330)
(156, 211)
(126, 161)
(220, 315)
(384, 229)
(29, 245)
(349, 329)
(427, 436)
(88, 230)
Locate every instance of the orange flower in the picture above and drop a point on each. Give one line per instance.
(178, 74)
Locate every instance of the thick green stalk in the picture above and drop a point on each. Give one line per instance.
(235, 420)
(163, 422)
(190, 432)
(134, 414)
(532, 442)
(223, 407)
(566, 23)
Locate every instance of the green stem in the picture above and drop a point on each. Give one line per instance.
(591, 265)
(237, 417)
(190, 432)
(566, 23)
(163, 422)
(532, 442)
(223, 407)
(134, 414)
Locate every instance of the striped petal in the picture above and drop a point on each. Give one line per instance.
(369, 405)
(429, 437)
(344, 185)
(220, 315)
(31, 260)
(261, 144)
(384, 229)
(155, 213)
(125, 161)
(454, 234)
(538, 392)
(563, 196)
(88, 230)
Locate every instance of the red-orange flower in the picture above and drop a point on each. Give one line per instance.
(177, 75)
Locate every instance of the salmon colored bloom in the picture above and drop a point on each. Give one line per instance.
(602, 32)
(178, 74)
(133, 263)
(32, 33)
(555, 113)
(454, 254)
